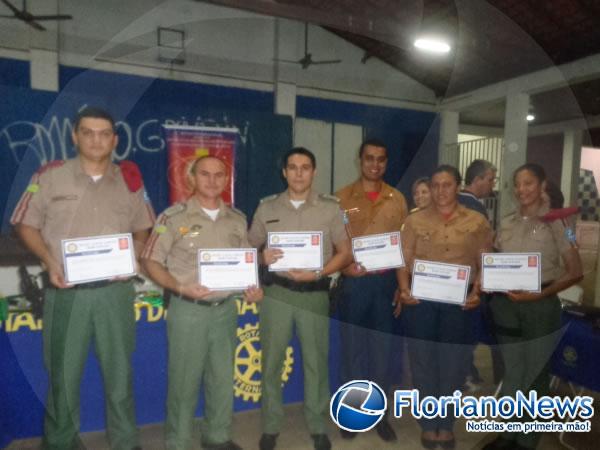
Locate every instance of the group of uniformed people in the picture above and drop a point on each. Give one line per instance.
(91, 196)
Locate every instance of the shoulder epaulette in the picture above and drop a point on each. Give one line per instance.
(331, 198)
(177, 208)
(269, 198)
(238, 212)
(131, 175)
(51, 165)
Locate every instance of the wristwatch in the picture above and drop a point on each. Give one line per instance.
(319, 275)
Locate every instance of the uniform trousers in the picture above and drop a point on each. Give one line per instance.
(528, 333)
(72, 319)
(281, 310)
(439, 341)
(202, 342)
(366, 312)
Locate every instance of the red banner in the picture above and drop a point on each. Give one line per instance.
(185, 144)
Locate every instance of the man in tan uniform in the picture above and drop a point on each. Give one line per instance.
(201, 326)
(84, 197)
(298, 297)
(372, 207)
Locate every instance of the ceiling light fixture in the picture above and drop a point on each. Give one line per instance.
(431, 44)
(530, 117)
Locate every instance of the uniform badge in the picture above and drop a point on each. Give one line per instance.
(160, 229)
(33, 188)
(195, 230)
(183, 230)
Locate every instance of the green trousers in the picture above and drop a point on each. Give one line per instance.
(72, 318)
(202, 341)
(528, 333)
(280, 310)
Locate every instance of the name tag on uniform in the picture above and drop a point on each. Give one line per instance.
(302, 250)
(439, 282)
(378, 251)
(227, 269)
(511, 272)
(98, 258)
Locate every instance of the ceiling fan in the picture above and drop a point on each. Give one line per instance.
(306, 61)
(31, 19)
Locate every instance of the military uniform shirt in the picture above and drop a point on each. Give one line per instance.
(184, 228)
(318, 213)
(63, 202)
(458, 240)
(522, 235)
(384, 215)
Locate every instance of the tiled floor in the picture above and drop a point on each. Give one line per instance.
(295, 436)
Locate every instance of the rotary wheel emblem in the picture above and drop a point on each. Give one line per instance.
(246, 383)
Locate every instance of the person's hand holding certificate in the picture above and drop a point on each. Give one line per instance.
(511, 272)
(227, 269)
(301, 251)
(378, 251)
(439, 282)
(98, 258)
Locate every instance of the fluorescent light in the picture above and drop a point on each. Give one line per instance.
(530, 117)
(432, 45)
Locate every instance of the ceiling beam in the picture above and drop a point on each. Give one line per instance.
(584, 69)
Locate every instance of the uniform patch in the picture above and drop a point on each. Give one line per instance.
(33, 188)
(184, 230)
(160, 229)
(132, 175)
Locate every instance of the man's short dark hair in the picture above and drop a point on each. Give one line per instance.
(478, 168)
(450, 170)
(300, 151)
(94, 113)
(373, 142)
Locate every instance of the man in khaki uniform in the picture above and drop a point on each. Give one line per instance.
(372, 207)
(201, 326)
(84, 197)
(298, 297)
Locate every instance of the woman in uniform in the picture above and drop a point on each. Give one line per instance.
(439, 333)
(421, 194)
(526, 323)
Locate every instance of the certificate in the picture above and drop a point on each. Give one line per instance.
(378, 251)
(300, 250)
(511, 272)
(439, 282)
(227, 269)
(98, 258)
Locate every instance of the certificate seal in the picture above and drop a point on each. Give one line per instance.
(420, 268)
(489, 259)
(206, 257)
(274, 239)
(359, 244)
(72, 247)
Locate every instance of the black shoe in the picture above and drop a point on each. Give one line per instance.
(267, 441)
(321, 441)
(385, 431)
(429, 444)
(501, 444)
(347, 434)
(229, 445)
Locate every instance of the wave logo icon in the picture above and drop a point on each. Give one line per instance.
(358, 405)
